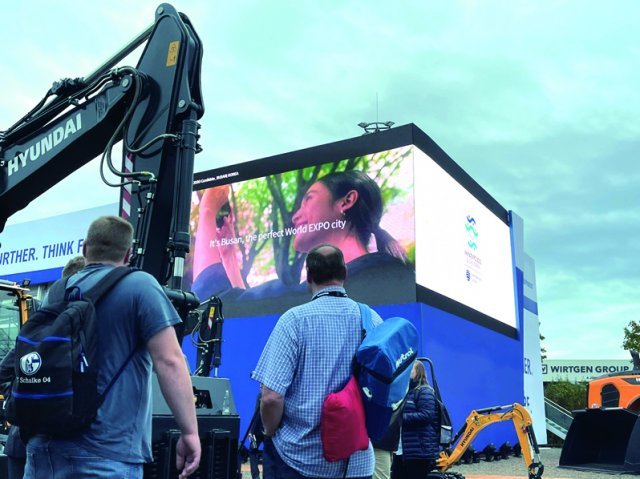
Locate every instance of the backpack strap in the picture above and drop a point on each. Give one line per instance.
(107, 282)
(115, 377)
(445, 419)
(346, 468)
(365, 317)
(366, 325)
(94, 294)
(434, 383)
(57, 291)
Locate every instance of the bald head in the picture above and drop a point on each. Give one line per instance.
(325, 266)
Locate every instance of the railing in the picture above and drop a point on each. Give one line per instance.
(558, 418)
(6, 343)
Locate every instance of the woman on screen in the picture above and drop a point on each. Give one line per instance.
(353, 198)
(349, 202)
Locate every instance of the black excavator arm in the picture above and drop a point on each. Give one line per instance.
(153, 108)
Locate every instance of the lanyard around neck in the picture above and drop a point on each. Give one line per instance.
(337, 294)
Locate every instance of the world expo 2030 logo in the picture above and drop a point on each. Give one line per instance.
(472, 233)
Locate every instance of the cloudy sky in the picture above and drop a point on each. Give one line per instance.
(538, 101)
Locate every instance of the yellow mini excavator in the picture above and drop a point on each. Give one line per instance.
(481, 418)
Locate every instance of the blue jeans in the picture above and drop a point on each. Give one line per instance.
(62, 459)
(275, 468)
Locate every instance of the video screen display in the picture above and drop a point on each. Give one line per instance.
(463, 249)
(250, 236)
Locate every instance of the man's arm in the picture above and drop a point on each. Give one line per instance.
(271, 409)
(175, 384)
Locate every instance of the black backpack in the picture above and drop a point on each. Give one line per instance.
(55, 387)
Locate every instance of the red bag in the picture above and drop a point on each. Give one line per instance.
(342, 423)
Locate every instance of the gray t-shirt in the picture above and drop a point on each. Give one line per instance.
(128, 316)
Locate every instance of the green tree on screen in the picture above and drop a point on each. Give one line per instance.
(249, 217)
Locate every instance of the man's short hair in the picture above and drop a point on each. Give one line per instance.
(74, 265)
(325, 263)
(108, 239)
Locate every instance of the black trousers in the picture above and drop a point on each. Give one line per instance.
(411, 468)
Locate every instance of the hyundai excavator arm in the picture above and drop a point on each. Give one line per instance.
(481, 418)
(153, 108)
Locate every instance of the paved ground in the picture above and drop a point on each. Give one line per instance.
(514, 468)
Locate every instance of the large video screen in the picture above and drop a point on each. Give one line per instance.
(250, 235)
(463, 249)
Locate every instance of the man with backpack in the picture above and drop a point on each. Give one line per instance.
(133, 333)
(14, 448)
(308, 356)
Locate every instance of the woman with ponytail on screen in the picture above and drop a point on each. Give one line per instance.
(351, 203)
(354, 198)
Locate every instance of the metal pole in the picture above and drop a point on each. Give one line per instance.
(113, 61)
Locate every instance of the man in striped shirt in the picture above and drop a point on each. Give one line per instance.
(307, 357)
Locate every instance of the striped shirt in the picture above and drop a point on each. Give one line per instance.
(307, 357)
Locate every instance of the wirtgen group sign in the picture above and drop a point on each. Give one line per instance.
(576, 370)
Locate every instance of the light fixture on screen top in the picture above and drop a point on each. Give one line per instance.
(375, 126)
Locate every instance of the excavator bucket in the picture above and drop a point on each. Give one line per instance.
(603, 440)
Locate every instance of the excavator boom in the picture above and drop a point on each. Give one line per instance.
(153, 109)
